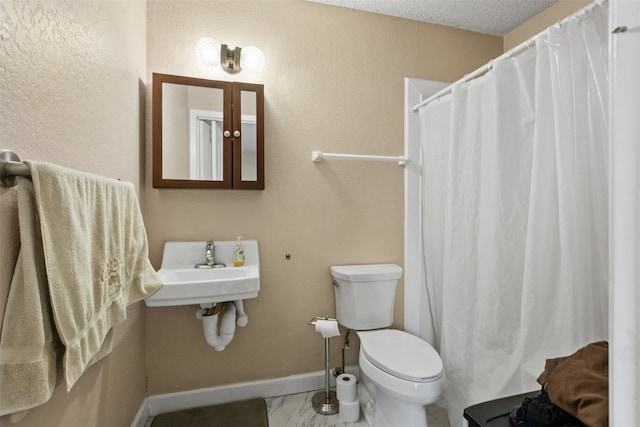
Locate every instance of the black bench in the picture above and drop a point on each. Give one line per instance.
(494, 413)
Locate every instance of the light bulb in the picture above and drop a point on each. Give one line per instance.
(251, 60)
(208, 51)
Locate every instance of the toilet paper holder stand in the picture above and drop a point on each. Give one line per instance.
(325, 402)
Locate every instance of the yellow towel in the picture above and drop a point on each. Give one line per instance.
(95, 250)
(30, 351)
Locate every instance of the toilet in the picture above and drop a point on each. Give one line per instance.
(399, 372)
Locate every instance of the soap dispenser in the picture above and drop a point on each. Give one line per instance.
(238, 253)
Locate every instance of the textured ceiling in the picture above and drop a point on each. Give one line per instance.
(495, 17)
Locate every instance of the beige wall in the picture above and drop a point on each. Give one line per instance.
(72, 93)
(544, 19)
(333, 82)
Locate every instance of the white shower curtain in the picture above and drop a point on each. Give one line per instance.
(515, 213)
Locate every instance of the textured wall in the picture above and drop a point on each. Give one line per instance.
(333, 82)
(72, 89)
(72, 92)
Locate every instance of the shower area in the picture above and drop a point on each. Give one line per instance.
(516, 209)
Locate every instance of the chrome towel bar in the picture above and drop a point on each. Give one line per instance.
(10, 167)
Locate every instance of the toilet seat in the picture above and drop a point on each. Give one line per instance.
(401, 354)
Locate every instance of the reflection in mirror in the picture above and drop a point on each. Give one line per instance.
(205, 145)
(249, 136)
(194, 114)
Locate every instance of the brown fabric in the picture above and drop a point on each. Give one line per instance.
(579, 384)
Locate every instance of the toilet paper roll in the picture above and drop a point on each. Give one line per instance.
(349, 412)
(328, 328)
(346, 388)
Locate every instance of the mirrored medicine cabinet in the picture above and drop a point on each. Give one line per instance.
(207, 133)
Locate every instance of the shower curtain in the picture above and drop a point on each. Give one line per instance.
(515, 213)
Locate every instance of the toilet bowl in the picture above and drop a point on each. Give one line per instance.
(403, 372)
(400, 373)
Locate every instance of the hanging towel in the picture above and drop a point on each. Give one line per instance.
(91, 262)
(30, 350)
(96, 255)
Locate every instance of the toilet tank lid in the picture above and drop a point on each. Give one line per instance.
(366, 273)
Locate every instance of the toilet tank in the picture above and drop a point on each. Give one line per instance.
(365, 294)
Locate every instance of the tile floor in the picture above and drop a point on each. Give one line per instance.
(295, 410)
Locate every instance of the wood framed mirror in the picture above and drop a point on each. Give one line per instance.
(207, 133)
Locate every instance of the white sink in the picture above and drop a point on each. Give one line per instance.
(185, 284)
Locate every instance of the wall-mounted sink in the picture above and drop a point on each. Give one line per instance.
(185, 284)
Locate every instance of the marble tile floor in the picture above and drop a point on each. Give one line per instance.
(295, 410)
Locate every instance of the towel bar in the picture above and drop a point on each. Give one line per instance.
(10, 167)
(317, 156)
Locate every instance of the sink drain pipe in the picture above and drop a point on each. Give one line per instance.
(232, 313)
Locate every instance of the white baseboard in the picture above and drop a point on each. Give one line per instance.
(169, 402)
(143, 414)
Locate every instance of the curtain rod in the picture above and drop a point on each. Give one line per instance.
(478, 72)
(529, 43)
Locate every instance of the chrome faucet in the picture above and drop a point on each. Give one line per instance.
(210, 253)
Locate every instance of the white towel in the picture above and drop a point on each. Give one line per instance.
(96, 253)
(94, 247)
(30, 351)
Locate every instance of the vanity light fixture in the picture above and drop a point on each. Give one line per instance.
(249, 59)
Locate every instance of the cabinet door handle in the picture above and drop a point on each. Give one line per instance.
(236, 133)
(227, 134)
